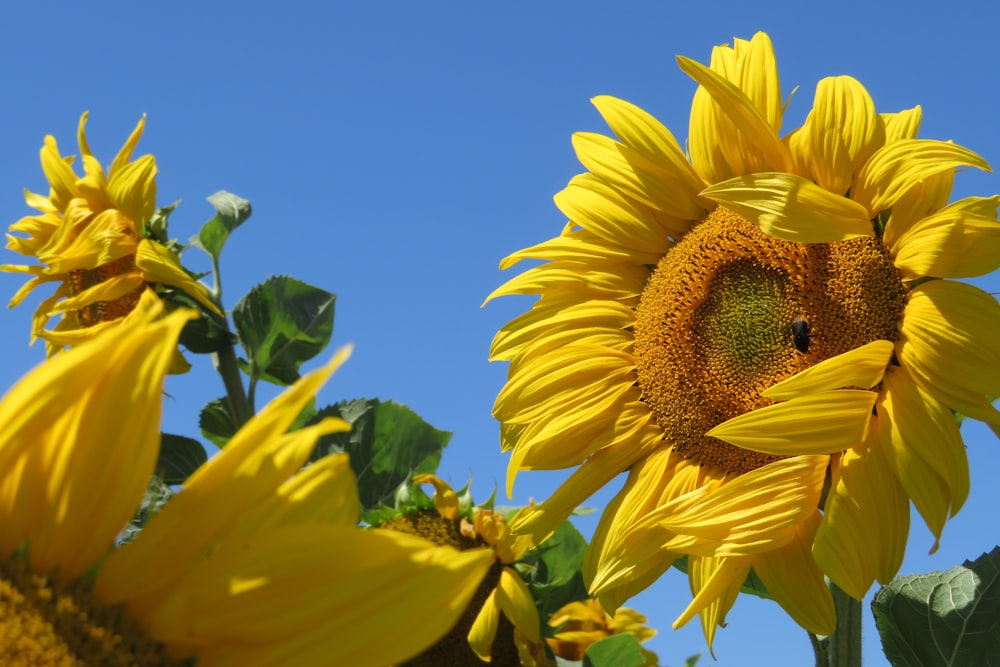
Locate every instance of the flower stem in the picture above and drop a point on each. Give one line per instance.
(845, 642)
(229, 369)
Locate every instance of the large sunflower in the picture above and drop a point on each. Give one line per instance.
(764, 333)
(251, 563)
(91, 237)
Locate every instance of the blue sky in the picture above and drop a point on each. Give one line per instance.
(394, 152)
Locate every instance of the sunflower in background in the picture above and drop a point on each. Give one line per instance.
(765, 333)
(501, 625)
(253, 562)
(581, 623)
(91, 237)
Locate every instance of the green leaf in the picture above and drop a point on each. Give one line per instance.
(179, 457)
(942, 618)
(204, 334)
(156, 228)
(616, 651)
(388, 443)
(282, 323)
(554, 570)
(230, 212)
(216, 422)
(157, 495)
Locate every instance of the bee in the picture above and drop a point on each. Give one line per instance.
(800, 334)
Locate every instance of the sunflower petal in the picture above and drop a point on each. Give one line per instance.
(956, 242)
(159, 265)
(795, 581)
(819, 423)
(791, 208)
(861, 367)
(897, 167)
(715, 583)
(516, 602)
(484, 628)
(866, 520)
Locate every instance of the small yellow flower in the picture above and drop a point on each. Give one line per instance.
(89, 237)
(253, 562)
(503, 596)
(584, 622)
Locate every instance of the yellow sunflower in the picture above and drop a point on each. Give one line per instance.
(750, 324)
(90, 238)
(501, 625)
(251, 563)
(583, 622)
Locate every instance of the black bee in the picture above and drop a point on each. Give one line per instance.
(800, 334)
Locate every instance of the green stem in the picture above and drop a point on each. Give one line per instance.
(228, 367)
(845, 642)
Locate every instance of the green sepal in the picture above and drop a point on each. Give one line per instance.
(942, 618)
(281, 323)
(156, 228)
(231, 211)
(179, 457)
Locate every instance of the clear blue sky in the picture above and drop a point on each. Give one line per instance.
(394, 152)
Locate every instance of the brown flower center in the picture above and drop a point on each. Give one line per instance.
(45, 623)
(730, 311)
(104, 311)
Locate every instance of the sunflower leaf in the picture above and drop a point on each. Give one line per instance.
(281, 323)
(942, 618)
(216, 422)
(554, 570)
(230, 212)
(616, 651)
(388, 444)
(179, 457)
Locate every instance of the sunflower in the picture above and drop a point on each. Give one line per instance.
(764, 332)
(583, 622)
(501, 625)
(250, 563)
(91, 237)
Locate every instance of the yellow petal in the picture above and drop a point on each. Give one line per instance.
(635, 175)
(715, 583)
(159, 265)
(518, 606)
(839, 135)
(861, 367)
(741, 112)
(897, 167)
(70, 484)
(484, 628)
(866, 521)
(445, 498)
(132, 189)
(796, 583)
(924, 448)
(384, 582)
(791, 208)
(956, 242)
(902, 125)
(619, 282)
(753, 513)
(255, 462)
(819, 423)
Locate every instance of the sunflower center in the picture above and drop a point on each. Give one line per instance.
(46, 623)
(104, 311)
(453, 648)
(730, 311)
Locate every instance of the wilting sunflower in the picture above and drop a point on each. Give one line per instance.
(250, 563)
(583, 622)
(91, 238)
(501, 624)
(747, 325)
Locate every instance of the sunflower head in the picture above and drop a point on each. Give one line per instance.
(582, 622)
(501, 623)
(91, 237)
(765, 331)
